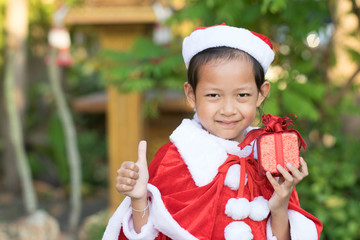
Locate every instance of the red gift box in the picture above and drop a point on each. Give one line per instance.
(277, 148)
(277, 143)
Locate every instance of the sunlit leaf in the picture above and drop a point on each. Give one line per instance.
(299, 105)
(309, 90)
(271, 106)
(353, 54)
(145, 48)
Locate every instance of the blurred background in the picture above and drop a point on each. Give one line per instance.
(82, 81)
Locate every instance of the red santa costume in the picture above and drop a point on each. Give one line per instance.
(205, 187)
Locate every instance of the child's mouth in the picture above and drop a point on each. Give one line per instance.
(227, 123)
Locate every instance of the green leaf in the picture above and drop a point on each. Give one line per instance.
(353, 54)
(145, 48)
(299, 105)
(196, 10)
(174, 83)
(138, 85)
(37, 167)
(304, 66)
(271, 106)
(308, 90)
(172, 62)
(107, 55)
(57, 140)
(273, 5)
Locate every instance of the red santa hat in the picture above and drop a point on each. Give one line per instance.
(255, 44)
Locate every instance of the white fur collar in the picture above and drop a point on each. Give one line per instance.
(202, 152)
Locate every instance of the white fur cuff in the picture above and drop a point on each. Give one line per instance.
(148, 232)
(122, 218)
(300, 227)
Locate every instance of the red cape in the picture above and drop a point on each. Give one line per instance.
(200, 210)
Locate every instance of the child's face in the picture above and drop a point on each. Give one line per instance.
(226, 97)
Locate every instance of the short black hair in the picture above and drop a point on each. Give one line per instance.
(222, 53)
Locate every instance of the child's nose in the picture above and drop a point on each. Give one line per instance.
(228, 107)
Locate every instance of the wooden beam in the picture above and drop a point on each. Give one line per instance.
(91, 103)
(97, 103)
(86, 15)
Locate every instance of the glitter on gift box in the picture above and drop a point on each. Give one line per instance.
(281, 149)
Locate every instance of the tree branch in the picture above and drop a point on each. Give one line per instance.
(356, 11)
(72, 151)
(345, 87)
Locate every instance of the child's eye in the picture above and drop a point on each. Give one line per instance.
(243, 94)
(213, 95)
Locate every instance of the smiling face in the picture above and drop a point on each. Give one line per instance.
(226, 97)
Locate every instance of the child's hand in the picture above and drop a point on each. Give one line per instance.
(132, 178)
(285, 186)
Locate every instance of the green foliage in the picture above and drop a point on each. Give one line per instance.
(97, 227)
(97, 231)
(331, 190)
(2, 32)
(273, 6)
(145, 67)
(57, 141)
(93, 156)
(313, 91)
(354, 54)
(35, 164)
(74, 3)
(295, 103)
(92, 149)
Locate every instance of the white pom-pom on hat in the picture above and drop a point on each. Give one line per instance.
(237, 208)
(256, 45)
(238, 231)
(259, 209)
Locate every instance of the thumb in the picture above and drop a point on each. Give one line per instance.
(142, 153)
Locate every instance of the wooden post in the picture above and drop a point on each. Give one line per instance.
(118, 23)
(124, 133)
(124, 123)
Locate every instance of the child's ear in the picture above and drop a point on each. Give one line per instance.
(264, 91)
(190, 95)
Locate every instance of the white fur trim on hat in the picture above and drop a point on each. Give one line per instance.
(227, 36)
(259, 209)
(237, 208)
(238, 231)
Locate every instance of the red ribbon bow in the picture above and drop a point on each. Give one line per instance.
(247, 165)
(273, 124)
(277, 124)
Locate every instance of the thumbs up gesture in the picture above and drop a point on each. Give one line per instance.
(132, 178)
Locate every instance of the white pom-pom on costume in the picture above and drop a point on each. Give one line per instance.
(237, 208)
(259, 209)
(232, 178)
(238, 231)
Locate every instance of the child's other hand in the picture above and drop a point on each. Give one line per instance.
(132, 178)
(286, 184)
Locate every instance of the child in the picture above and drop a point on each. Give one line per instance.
(201, 185)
